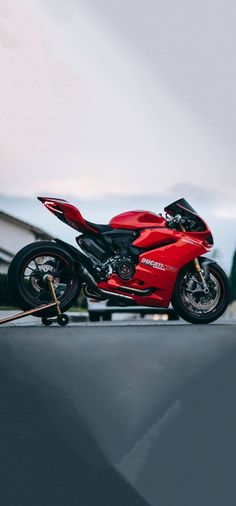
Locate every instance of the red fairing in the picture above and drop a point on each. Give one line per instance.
(137, 219)
(151, 237)
(158, 268)
(67, 213)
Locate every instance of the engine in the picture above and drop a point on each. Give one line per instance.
(107, 262)
(124, 267)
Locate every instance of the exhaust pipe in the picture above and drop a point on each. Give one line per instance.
(82, 266)
(113, 295)
(99, 292)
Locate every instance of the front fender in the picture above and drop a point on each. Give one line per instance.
(205, 262)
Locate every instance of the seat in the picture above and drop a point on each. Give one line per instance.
(99, 228)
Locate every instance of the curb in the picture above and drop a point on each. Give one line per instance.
(78, 317)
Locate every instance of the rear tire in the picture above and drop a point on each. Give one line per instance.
(26, 273)
(188, 310)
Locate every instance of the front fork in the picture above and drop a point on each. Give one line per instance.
(198, 269)
(201, 275)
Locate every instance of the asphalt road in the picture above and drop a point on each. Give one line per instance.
(124, 319)
(116, 415)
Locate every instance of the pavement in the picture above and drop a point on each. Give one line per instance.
(102, 414)
(81, 317)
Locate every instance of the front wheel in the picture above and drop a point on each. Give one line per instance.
(194, 305)
(27, 272)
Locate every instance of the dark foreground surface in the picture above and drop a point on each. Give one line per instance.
(117, 416)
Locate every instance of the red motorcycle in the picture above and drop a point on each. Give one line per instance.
(139, 258)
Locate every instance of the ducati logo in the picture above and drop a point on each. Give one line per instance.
(158, 265)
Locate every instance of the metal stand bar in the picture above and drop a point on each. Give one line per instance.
(61, 319)
(48, 278)
(26, 313)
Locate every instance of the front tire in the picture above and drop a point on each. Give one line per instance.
(193, 305)
(26, 275)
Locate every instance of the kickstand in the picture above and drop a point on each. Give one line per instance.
(61, 319)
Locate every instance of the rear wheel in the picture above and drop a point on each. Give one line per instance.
(26, 277)
(192, 303)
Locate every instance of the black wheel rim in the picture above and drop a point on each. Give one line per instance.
(33, 287)
(204, 305)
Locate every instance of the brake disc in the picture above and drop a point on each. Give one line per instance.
(36, 277)
(195, 297)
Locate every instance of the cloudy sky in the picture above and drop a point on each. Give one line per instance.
(117, 96)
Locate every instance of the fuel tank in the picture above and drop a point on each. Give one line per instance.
(137, 220)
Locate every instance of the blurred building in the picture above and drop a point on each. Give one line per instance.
(14, 234)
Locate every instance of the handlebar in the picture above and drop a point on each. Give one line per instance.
(175, 219)
(179, 220)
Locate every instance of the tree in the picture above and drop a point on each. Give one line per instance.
(232, 278)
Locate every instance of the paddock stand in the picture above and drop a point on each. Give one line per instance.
(61, 319)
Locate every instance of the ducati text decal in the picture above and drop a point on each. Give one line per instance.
(158, 265)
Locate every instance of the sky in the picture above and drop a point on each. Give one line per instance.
(117, 97)
(117, 105)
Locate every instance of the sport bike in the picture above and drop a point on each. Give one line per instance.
(139, 258)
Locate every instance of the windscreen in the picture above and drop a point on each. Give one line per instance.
(179, 206)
